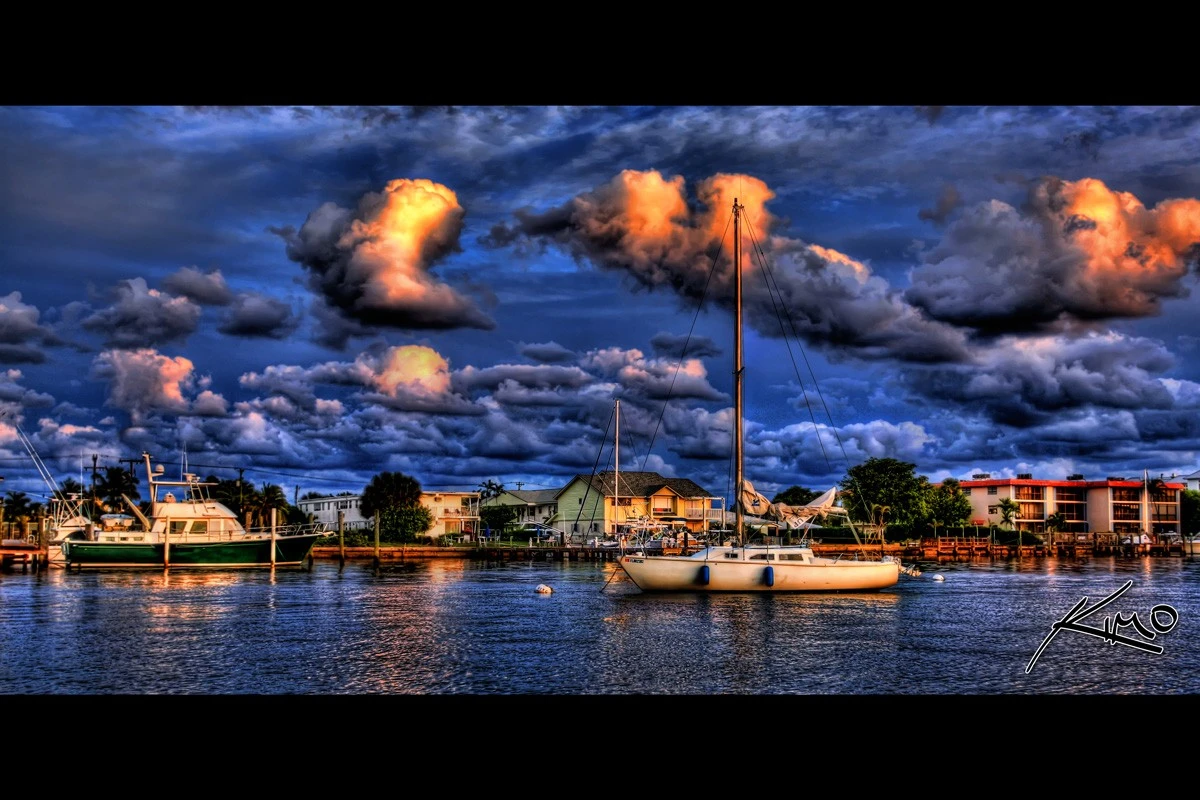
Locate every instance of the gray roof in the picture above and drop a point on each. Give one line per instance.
(537, 497)
(642, 484)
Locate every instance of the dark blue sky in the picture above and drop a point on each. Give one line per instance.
(460, 294)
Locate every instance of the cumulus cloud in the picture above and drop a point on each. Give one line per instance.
(20, 332)
(207, 289)
(257, 315)
(947, 201)
(673, 346)
(1024, 381)
(407, 378)
(1079, 252)
(143, 317)
(546, 352)
(142, 382)
(332, 329)
(643, 225)
(373, 263)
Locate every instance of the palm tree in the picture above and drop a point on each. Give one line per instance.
(115, 483)
(877, 514)
(272, 496)
(489, 490)
(1008, 510)
(17, 506)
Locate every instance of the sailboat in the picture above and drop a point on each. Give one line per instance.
(740, 566)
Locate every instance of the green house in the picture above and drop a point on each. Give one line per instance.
(599, 503)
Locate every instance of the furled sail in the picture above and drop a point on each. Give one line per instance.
(788, 516)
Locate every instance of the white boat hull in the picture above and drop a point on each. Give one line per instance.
(755, 569)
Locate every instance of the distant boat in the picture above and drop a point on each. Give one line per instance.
(193, 531)
(742, 567)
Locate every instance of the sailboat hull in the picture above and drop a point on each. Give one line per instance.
(735, 569)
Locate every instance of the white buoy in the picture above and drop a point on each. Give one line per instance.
(543, 589)
(939, 577)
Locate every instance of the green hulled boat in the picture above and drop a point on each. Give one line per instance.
(194, 531)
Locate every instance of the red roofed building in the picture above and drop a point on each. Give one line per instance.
(1115, 504)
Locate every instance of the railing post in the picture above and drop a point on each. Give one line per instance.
(341, 539)
(377, 515)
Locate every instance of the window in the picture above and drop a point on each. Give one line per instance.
(991, 490)
(993, 510)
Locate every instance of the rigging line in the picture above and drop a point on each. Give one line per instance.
(768, 280)
(591, 477)
(816, 386)
(699, 305)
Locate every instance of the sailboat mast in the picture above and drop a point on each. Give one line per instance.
(739, 514)
(617, 469)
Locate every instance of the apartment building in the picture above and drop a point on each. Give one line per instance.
(1116, 504)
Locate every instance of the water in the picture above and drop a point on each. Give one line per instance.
(451, 627)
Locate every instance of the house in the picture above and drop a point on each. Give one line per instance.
(325, 509)
(529, 505)
(454, 513)
(600, 502)
(1193, 481)
(1116, 504)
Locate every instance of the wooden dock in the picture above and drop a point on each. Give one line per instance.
(28, 554)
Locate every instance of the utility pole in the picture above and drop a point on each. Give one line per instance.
(95, 458)
(240, 471)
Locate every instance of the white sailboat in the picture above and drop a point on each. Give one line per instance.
(743, 567)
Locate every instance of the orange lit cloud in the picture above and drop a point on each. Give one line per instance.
(412, 368)
(1080, 252)
(373, 263)
(641, 224)
(1126, 244)
(143, 381)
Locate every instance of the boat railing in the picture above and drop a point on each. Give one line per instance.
(292, 529)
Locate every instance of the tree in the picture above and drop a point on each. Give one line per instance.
(69, 486)
(1189, 511)
(947, 504)
(489, 490)
(112, 484)
(272, 497)
(258, 505)
(885, 482)
(387, 491)
(496, 517)
(229, 493)
(1008, 510)
(404, 523)
(795, 496)
(1056, 521)
(17, 506)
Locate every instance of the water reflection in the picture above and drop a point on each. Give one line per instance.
(447, 626)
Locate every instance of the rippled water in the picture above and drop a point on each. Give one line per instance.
(449, 627)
